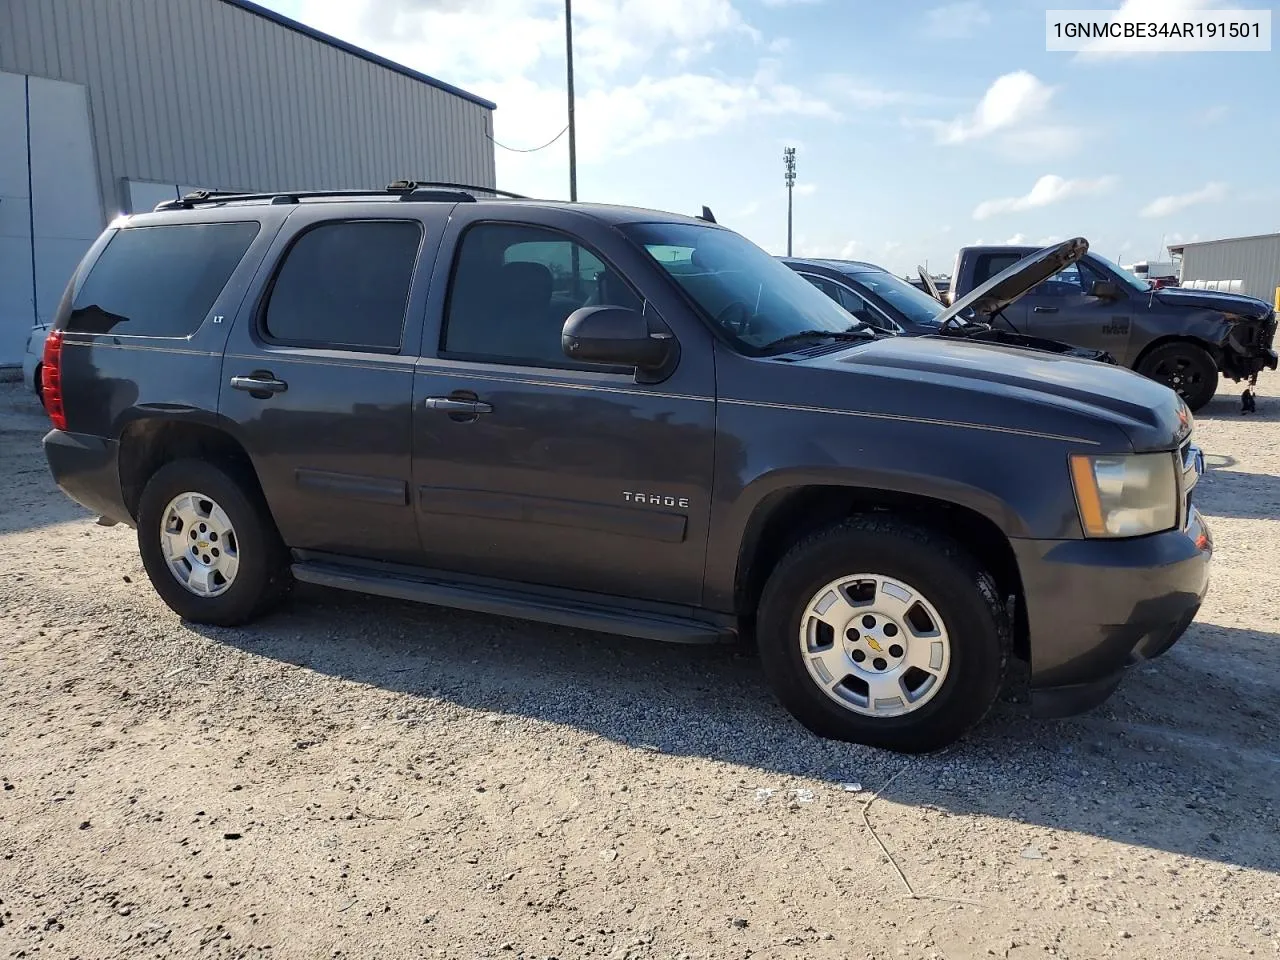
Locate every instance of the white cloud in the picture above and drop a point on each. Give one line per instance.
(1172, 203)
(750, 210)
(1048, 190)
(1041, 142)
(1017, 239)
(1011, 99)
(787, 3)
(638, 79)
(1052, 238)
(847, 250)
(956, 21)
(1211, 114)
(806, 189)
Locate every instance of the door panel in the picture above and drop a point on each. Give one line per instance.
(318, 378)
(597, 486)
(1061, 309)
(534, 468)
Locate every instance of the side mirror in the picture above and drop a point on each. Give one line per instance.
(614, 335)
(1105, 290)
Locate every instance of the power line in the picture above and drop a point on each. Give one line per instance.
(530, 149)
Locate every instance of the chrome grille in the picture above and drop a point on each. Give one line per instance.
(1191, 461)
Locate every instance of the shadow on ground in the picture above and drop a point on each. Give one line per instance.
(1195, 776)
(1227, 492)
(1226, 406)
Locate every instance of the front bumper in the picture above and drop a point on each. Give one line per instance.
(86, 469)
(1095, 607)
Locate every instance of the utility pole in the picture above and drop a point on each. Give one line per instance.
(789, 159)
(573, 139)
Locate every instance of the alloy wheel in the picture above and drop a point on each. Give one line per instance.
(200, 545)
(875, 645)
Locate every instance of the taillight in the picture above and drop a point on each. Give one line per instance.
(51, 379)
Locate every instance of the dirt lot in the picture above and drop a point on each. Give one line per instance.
(360, 778)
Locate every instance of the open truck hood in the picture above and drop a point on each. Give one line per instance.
(930, 287)
(1012, 282)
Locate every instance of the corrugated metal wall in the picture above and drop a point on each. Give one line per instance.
(1253, 260)
(203, 92)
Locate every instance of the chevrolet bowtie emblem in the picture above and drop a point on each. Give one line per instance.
(874, 646)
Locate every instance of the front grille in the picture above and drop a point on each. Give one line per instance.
(1189, 476)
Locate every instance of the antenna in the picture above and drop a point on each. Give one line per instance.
(789, 161)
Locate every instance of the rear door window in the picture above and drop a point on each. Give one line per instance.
(159, 281)
(989, 264)
(345, 284)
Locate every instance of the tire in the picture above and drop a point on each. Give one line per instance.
(1186, 369)
(233, 594)
(955, 590)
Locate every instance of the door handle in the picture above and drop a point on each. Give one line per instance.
(455, 405)
(259, 383)
(1044, 309)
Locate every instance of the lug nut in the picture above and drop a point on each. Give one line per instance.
(879, 663)
(852, 635)
(858, 656)
(890, 630)
(869, 621)
(894, 651)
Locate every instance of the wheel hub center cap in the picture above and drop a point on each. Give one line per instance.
(876, 643)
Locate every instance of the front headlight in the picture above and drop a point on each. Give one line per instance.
(1125, 496)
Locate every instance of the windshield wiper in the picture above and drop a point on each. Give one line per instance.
(853, 333)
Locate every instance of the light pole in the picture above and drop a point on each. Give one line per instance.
(573, 140)
(789, 158)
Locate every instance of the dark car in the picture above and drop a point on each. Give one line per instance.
(1181, 338)
(625, 421)
(896, 306)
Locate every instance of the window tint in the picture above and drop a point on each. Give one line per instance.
(515, 286)
(345, 284)
(159, 281)
(1067, 282)
(992, 263)
(851, 301)
(825, 286)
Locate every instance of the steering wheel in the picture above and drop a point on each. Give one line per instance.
(735, 317)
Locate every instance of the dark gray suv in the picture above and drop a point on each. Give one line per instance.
(624, 421)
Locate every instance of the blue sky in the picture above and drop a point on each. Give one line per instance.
(918, 126)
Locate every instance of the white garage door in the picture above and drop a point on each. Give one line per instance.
(50, 206)
(17, 295)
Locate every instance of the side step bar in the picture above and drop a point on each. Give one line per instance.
(522, 606)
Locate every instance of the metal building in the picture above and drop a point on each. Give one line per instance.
(1248, 265)
(110, 106)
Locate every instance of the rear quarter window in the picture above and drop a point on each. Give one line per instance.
(159, 281)
(989, 264)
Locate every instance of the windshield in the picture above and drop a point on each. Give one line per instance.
(1142, 286)
(917, 305)
(755, 299)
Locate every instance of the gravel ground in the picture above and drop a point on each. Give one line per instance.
(359, 778)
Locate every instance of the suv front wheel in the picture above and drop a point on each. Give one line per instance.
(209, 545)
(879, 632)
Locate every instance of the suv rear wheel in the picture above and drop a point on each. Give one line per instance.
(209, 544)
(879, 632)
(1186, 369)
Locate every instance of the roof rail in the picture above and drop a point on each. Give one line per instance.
(417, 190)
(409, 186)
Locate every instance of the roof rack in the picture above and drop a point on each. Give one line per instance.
(411, 186)
(413, 190)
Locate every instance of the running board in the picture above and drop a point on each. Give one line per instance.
(523, 606)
